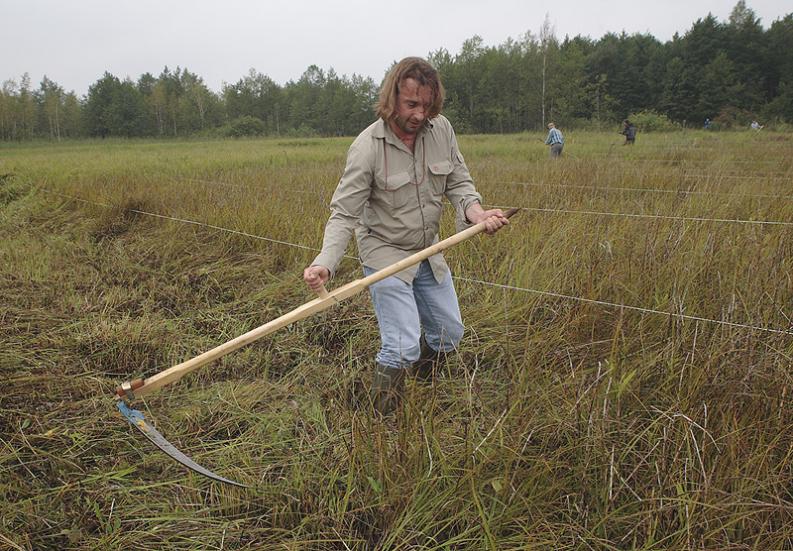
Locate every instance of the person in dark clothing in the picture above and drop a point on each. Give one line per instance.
(629, 131)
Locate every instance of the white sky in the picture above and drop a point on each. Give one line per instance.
(74, 42)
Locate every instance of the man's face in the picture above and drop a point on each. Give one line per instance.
(413, 105)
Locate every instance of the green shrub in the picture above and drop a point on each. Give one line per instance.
(245, 126)
(652, 121)
(733, 117)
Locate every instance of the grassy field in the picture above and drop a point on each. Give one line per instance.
(608, 393)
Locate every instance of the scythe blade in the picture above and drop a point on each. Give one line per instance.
(137, 420)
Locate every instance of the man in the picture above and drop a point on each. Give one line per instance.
(398, 171)
(555, 140)
(629, 131)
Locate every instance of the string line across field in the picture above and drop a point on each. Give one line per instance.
(748, 326)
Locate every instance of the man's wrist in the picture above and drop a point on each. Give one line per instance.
(473, 210)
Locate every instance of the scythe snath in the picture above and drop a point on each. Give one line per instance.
(129, 391)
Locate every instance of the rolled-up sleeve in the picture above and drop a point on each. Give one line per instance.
(347, 204)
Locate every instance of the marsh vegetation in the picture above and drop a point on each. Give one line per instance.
(624, 382)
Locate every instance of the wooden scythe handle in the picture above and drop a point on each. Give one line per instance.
(173, 374)
(323, 293)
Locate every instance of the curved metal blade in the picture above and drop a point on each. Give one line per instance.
(137, 420)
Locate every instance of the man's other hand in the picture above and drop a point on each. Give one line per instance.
(316, 276)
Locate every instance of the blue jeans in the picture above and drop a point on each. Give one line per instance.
(403, 310)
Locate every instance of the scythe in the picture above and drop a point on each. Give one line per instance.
(131, 390)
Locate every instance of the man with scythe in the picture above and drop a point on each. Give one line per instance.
(390, 195)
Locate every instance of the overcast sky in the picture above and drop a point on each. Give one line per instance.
(75, 42)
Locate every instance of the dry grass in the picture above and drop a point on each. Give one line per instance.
(559, 425)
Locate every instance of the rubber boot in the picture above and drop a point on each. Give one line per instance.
(424, 368)
(388, 388)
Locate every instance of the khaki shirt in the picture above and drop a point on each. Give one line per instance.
(392, 197)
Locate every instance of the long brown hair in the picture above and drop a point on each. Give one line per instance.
(423, 73)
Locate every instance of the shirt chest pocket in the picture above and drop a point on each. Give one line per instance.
(439, 171)
(395, 190)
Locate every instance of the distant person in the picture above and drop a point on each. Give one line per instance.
(629, 131)
(555, 140)
(390, 197)
(707, 124)
(756, 125)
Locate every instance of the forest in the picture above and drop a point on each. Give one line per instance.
(730, 71)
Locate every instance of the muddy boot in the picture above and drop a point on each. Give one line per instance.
(424, 368)
(388, 387)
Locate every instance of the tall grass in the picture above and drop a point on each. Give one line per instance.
(560, 424)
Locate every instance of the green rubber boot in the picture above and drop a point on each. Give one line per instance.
(388, 388)
(424, 368)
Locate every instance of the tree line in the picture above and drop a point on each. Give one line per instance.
(728, 71)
